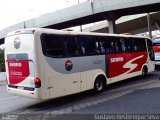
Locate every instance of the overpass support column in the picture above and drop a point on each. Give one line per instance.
(149, 25)
(112, 26)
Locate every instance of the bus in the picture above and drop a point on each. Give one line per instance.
(45, 63)
(156, 46)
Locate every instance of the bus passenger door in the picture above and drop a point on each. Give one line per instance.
(83, 81)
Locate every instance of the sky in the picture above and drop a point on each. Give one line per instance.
(15, 11)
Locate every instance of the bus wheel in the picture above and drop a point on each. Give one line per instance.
(99, 85)
(144, 70)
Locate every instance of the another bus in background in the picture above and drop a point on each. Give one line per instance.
(156, 46)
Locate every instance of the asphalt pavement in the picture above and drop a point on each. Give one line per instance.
(139, 95)
(10, 103)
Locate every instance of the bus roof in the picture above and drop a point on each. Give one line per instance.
(47, 30)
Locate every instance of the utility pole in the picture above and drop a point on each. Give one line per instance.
(149, 25)
(80, 25)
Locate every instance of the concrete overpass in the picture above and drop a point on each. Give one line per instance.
(88, 12)
(133, 24)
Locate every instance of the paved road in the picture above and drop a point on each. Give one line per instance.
(10, 102)
(136, 95)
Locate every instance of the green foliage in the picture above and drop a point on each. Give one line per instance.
(2, 61)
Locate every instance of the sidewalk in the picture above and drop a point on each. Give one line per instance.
(2, 76)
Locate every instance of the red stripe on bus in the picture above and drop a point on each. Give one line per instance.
(126, 63)
(18, 71)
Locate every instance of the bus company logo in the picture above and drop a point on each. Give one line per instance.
(119, 59)
(17, 42)
(15, 64)
(68, 65)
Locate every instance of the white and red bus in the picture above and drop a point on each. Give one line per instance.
(44, 63)
(156, 46)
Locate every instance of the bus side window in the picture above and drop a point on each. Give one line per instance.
(133, 44)
(112, 49)
(89, 45)
(107, 45)
(82, 48)
(96, 48)
(72, 46)
(101, 47)
(123, 46)
(117, 46)
(128, 45)
(82, 45)
(141, 44)
(53, 45)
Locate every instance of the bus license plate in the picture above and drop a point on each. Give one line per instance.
(21, 87)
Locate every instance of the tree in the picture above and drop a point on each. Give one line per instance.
(2, 61)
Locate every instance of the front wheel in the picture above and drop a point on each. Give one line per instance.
(99, 85)
(144, 70)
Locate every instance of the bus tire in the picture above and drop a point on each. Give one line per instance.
(144, 70)
(99, 84)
